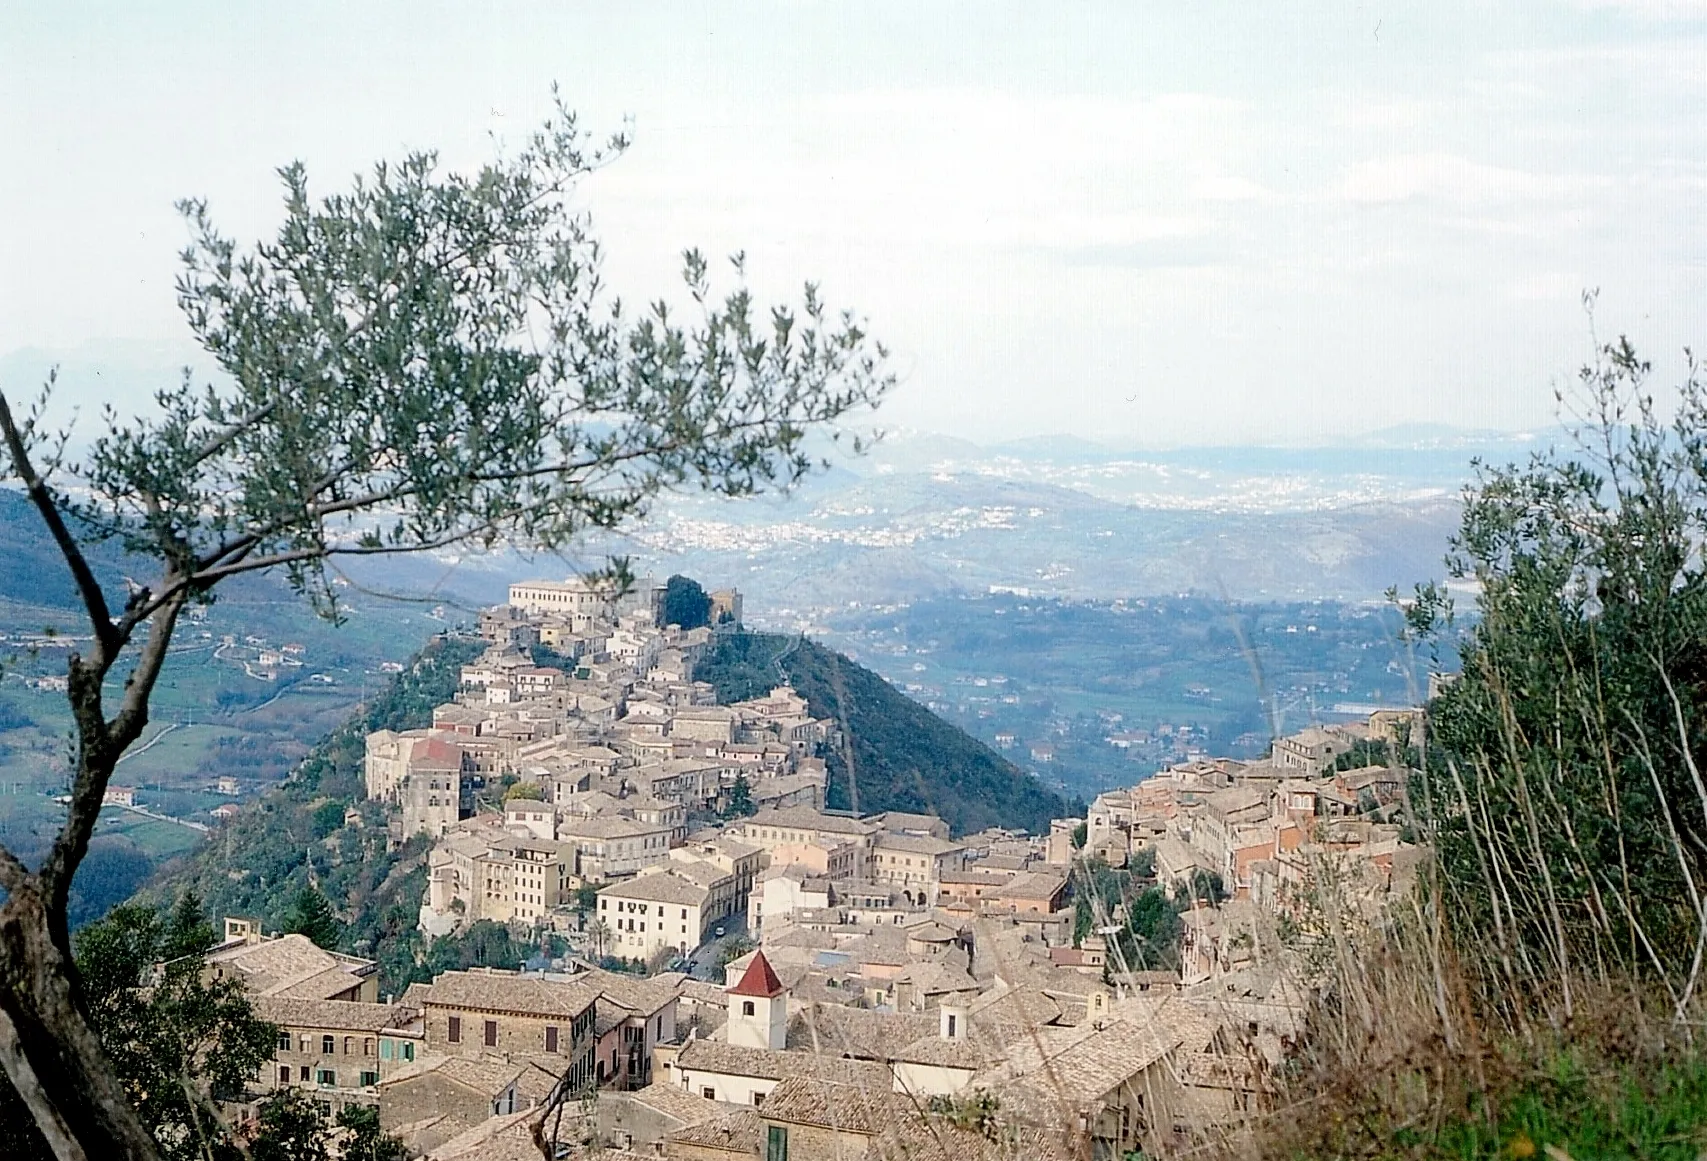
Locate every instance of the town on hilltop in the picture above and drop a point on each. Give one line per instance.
(753, 975)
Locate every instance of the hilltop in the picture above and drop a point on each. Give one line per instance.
(904, 756)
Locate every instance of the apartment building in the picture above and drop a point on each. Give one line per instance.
(339, 1050)
(654, 912)
(611, 846)
(914, 863)
(832, 846)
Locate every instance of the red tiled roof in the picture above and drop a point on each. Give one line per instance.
(759, 980)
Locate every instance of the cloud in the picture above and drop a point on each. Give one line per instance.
(1193, 253)
(1442, 177)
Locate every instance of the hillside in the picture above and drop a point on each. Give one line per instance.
(295, 835)
(904, 756)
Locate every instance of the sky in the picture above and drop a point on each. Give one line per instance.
(1140, 223)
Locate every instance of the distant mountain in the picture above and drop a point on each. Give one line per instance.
(31, 569)
(904, 756)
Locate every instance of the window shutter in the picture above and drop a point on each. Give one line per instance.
(454, 1032)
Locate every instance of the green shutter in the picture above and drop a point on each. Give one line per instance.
(776, 1143)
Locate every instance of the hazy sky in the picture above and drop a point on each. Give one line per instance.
(1159, 223)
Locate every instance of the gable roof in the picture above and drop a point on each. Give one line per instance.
(659, 887)
(495, 991)
(483, 1074)
(763, 1063)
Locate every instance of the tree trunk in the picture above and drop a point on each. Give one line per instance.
(52, 1055)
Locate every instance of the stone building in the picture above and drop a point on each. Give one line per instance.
(338, 1049)
(483, 1012)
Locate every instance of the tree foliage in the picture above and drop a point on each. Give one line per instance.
(177, 1041)
(1568, 804)
(364, 1140)
(686, 603)
(292, 1128)
(311, 914)
(740, 804)
(426, 360)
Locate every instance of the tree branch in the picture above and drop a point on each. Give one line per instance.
(94, 601)
(99, 754)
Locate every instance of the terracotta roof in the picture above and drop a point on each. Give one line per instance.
(857, 1032)
(967, 1054)
(506, 1138)
(345, 1015)
(493, 991)
(827, 1104)
(735, 1130)
(762, 1063)
(320, 985)
(759, 980)
(677, 1104)
(659, 887)
(635, 993)
(485, 1075)
(919, 1138)
(805, 818)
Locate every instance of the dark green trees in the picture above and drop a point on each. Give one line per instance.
(1565, 790)
(311, 915)
(740, 803)
(177, 1042)
(685, 603)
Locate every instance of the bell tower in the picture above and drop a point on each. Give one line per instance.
(758, 1008)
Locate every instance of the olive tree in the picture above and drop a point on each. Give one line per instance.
(427, 360)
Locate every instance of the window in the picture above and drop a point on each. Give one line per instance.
(746, 1007)
(370, 1079)
(367, 1046)
(284, 1041)
(326, 1077)
(551, 1038)
(328, 1045)
(951, 1023)
(349, 1045)
(708, 1093)
(453, 1033)
(491, 1033)
(408, 1051)
(284, 1074)
(776, 1143)
(305, 1074)
(758, 1098)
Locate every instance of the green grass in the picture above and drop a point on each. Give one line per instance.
(158, 840)
(174, 757)
(1625, 1112)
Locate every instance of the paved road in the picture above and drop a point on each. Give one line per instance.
(702, 963)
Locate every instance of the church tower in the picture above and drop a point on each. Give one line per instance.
(758, 1008)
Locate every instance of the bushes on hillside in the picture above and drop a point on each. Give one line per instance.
(1570, 810)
